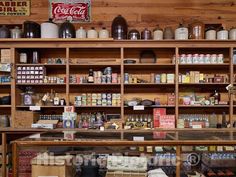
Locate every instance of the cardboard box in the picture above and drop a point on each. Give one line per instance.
(167, 121)
(45, 165)
(157, 112)
(24, 119)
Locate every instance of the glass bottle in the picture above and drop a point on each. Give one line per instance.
(56, 100)
(216, 96)
(90, 77)
(224, 121)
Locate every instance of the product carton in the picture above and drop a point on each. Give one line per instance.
(157, 112)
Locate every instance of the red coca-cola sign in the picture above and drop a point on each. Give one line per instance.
(76, 11)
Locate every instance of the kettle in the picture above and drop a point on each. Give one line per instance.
(119, 28)
(67, 30)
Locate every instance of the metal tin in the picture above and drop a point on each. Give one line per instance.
(195, 58)
(207, 58)
(126, 79)
(213, 58)
(220, 58)
(104, 95)
(109, 96)
(157, 78)
(183, 59)
(104, 79)
(163, 78)
(201, 58)
(109, 79)
(189, 59)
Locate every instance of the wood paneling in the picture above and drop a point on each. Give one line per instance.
(144, 13)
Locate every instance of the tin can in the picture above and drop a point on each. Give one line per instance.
(208, 58)
(126, 79)
(201, 58)
(108, 79)
(189, 59)
(99, 96)
(78, 98)
(104, 102)
(104, 95)
(163, 78)
(182, 59)
(157, 78)
(220, 58)
(104, 79)
(213, 58)
(109, 96)
(195, 58)
(114, 78)
(107, 70)
(109, 102)
(99, 102)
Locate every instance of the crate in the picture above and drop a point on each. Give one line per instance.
(24, 119)
(46, 165)
(125, 174)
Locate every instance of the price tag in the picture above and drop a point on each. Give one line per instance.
(138, 138)
(35, 108)
(197, 126)
(140, 108)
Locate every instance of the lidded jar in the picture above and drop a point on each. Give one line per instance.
(168, 33)
(232, 33)
(4, 32)
(49, 29)
(196, 30)
(119, 28)
(16, 33)
(222, 34)
(81, 33)
(158, 33)
(92, 33)
(210, 33)
(181, 33)
(67, 30)
(134, 34)
(146, 34)
(103, 33)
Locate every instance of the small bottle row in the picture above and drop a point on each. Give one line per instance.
(201, 59)
(98, 99)
(198, 77)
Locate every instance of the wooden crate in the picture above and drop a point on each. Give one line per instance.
(125, 174)
(24, 119)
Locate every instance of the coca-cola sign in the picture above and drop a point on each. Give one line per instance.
(73, 10)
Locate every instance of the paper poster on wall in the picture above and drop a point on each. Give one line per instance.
(15, 8)
(75, 11)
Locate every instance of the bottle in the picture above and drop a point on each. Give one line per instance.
(224, 121)
(56, 100)
(90, 77)
(216, 96)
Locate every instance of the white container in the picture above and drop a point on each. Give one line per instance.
(103, 33)
(211, 35)
(158, 34)
(223, 35)
(49, 30)
(92, 33)
(81, 33)
(181, 33)
(16, 33)
(232, 34)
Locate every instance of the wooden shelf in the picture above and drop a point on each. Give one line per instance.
(204, 106)
(92, 84)
(41, 106)
(150, 84)
(53, 66)
(204, 84)
(154, 106)
(204, 66)
(149, 66)
(50, 84)
(5, 106)
(97, 106)
(5, 84)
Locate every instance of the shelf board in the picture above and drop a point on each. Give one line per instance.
(46, 65)
(203, 84)
(203, 106)
(5, 106)
(149, 65)
(97, 106)
(54, 84)
(41, 106)
(92, 84)
(149, 84)
(205, 66)
(5, 84)
(154, 106)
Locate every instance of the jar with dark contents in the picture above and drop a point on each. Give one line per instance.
(119, 28)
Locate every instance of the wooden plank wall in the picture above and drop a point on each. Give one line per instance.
(145, 13)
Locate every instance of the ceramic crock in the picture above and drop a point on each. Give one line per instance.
(49, 29)
(119, 28)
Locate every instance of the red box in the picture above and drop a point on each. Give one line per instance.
(167, 121)
(157, 113)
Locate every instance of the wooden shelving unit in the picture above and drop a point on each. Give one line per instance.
(114, 53)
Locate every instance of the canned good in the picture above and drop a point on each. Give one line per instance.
(207, 58)
(220, 58)
(78, 98)
(108, 70)
(163, 78)
(201, 58)
(99, 96)
(109, 96)
(182, 59)
(104, 102)
(195, 58)
(213, 58)
(157, 78)
(99, 102)
(189, 59)
(94, 96)
(109, 102)
(108, 79)
(104, 79)
(126, 79)
(114, 77)
(104, 95)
